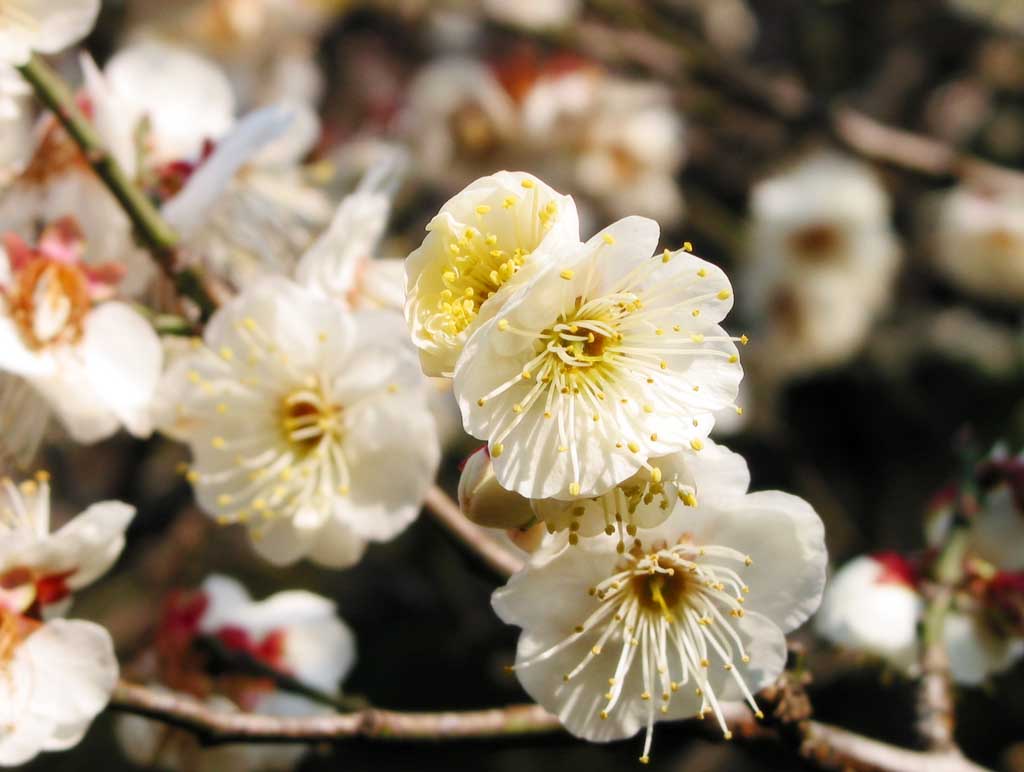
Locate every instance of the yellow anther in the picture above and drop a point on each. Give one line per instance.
(497, 449)
(483, 209)
(608, 239)
(503, 324)
(567, 274)
(697, 444)
(574, 489)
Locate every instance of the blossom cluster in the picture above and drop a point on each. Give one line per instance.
(314, 378)
(594, 370)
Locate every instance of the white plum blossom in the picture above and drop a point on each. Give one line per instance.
(184, 99)
(343, 263)
(94, 361)
(979, 241)
(57, 677)
(43, 26)
(56, 674)
(247, 210)
(609, 358)
(294, 632)
(307, 423)
(457, 118)
(692, 615)
(822, 259)
(267, 47)
(872, 605)
(642, 501)
(625, 140)
(486, 241)
(40, 570)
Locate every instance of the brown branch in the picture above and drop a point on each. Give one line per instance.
(916, 152)
(498, 558)
(828, 746)
(213, 726)
(833, 748)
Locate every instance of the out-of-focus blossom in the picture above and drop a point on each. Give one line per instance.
(15, 124)
(204, 641)
(823, 257)
(979, 242)
(298, 413)
(872, 605)
(40, 570)
(56, 675)
(607, 358)
(693, 614)
(248, 210)
(43, 26)
(618, 141)
(459, 118)
(94, 360)
(534, 14)
(343, 263)
(483, 244)
(267, 47)
(622, 139)
(184, 100)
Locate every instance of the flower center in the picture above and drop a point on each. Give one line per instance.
(475, 133)
(307, 417)
(670, 613)
(587, 336)
(48, 302)
(477, 268)
(14, 629)
(292, 461)
(817, 243)
(1004, 242)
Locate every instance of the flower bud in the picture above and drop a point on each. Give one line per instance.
(484, 501)
(528, 539)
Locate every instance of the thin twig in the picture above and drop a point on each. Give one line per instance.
(213, 726)
(828, 746)
(501, 560)
(912, 151)
(158, 236)
(833, 748)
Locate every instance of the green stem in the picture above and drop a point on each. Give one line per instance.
(158, 236)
